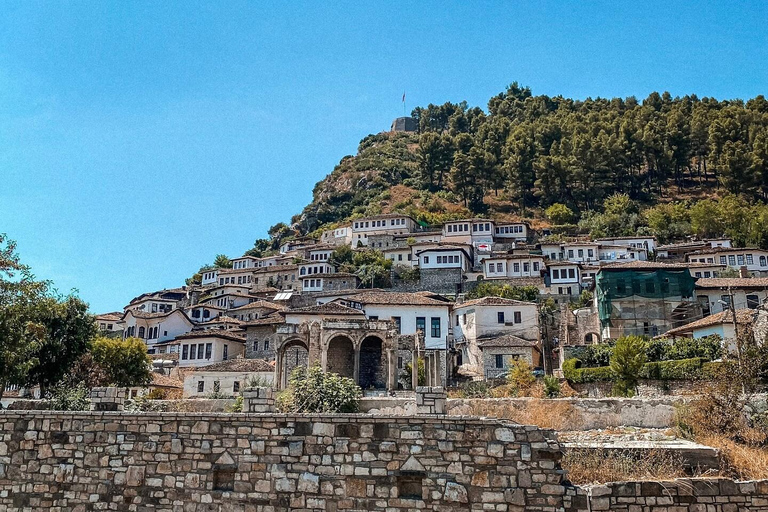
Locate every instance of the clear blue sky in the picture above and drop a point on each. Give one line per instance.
(138, 140)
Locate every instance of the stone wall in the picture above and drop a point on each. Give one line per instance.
(682, 495)
(248, 462)
(645, 388)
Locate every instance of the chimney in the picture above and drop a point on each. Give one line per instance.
(743, 272)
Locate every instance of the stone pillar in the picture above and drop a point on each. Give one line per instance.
(258, 400)
(278, 378)
(356, 369)
(430, 400)
(108, 399)
(415, 368)
(392, 370)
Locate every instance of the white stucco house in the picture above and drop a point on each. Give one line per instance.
(227, 378)
(506, 266)
(156, 328)
(714, 294)
(394, 224)
(204, 347)
(755, 260)
(445, 256)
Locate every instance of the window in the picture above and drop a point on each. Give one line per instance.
(499, 361)
(500, 317)
(750, 260)
(581, 253)
(435, 327)
(722, 260)
(762, 261)
(731, 260)
(753, 301)
(555, 273)
(141, 332)
(236, 386)
(707, 273)
(518, 317)
(570, 253)
(208, 350)
(571, 273)
(697, 274)
(255, 345)
(426, 259)
(526, 267)
(421, 323)
(740, 259)
(591, 253)
(516, 268)
(200, 349)
(535, 266)
(399, 362)
(398, 324)
(727, 300)
(200, 386)
(266, 344)
(184, 351)
(216, 386)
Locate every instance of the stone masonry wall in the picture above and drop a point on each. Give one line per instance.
(250, 462)
(682, 495)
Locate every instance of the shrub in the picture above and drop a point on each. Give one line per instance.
(683, 369)
(70, 398)
(551, 386)
(576, 375)
(627, 360)
(521, 376)
(475, 389)
(237, 406)
(312, 390)
(125, 361)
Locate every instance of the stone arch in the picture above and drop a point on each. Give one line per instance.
(373, 363)
(591, 337)
(293, 353)
(340, 356)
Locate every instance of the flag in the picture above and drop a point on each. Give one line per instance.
(403, 96)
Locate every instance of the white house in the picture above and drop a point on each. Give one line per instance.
(616, 252)
(203, 312)
(315, 267)
(210, 277)
(506, 266)
(564, 278)
(720, 324)
(409, 311)
(110, 322)
(227, 377)
(155, 328)
(508, 232)
(480, 321)
(341, 235)
(714, 294)
(329, 281)
(230, 300)
(200, 348)
(255, 310)
(395, 224)
(755, 260)
(400, 256)
(244, 262)
(680, 250)
(319, 253)
(445, 256)
(469, 232)
(636, 242)
(162, 301)
(241, 276)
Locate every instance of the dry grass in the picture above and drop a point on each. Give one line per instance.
(551, 414)
(588, 466)
(738, 460)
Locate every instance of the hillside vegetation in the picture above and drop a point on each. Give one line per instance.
(667, 166)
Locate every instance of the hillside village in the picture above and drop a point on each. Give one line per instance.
(469, 297)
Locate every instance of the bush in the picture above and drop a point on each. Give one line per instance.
(627, 361)
(573, 372)
(551, 386)
(313, 390)
(125, 361)
(683, 369)
(521, 376)
(70, 398)
(475, 389)
(708, 348)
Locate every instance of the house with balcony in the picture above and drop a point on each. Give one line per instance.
(563, 278)
(161, 301)
(506, 232)
(155, 328)
(469, 232)
(244, 262)
(210, 277)
(205, 347)
(513, 266)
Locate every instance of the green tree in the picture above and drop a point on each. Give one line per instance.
(627, 359)
(221, 261)
(311, 390)
(125, 360)
(20, 335)
(558, 213)
(486, 289)
(67, 332)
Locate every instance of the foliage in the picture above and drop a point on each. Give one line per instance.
(67, 331)
(585, 300)
(237, 406)
(221, 261)
(627, 360)
(311, 390)
(551, 386)
(405, 374)
(475, 389)
(574, 374)
(217, 395)
(681, 369)
(598, 354)
(32, 322)
(125, 361)
(63, 397)
(257, 381)
(558, 213)
(408, 274)
(520, 376)
(487, 289)
(145, 403)
(88, 372)
(708, 348)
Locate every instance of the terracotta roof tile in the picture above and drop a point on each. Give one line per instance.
(213, 333)
(394, 298)
(505, 340)
(329, 308)
(733, 282)
(743, 316)
(493, 301)
(238, 365)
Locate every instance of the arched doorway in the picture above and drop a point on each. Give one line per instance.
(294, 354)
(373, 364)
(341, 357)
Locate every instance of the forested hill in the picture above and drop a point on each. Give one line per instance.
(609, 166)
